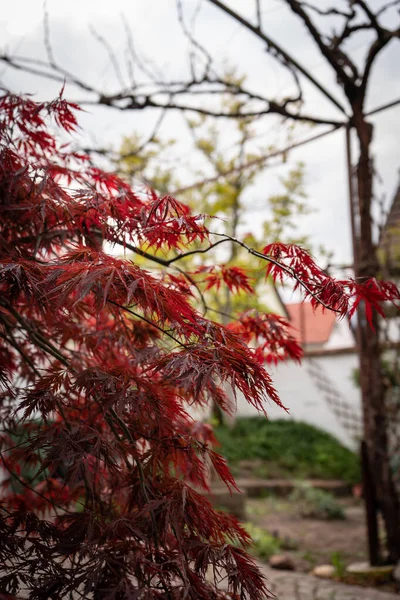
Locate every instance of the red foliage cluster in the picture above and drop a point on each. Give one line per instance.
(342, 296)
(270, 334)
(234, 278)
(99, 362)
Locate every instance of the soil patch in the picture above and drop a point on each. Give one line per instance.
(311, 542)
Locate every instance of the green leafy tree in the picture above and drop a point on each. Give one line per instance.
(224, 183)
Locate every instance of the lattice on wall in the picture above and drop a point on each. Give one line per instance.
(349, 418)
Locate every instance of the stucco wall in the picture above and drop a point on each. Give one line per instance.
(321, 392)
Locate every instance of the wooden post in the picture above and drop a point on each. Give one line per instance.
(371, 508)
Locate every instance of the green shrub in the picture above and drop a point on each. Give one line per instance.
(264, 544)
(314, 503)
(290, 449)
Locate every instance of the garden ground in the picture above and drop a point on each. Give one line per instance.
(310, 542)
(270, 460)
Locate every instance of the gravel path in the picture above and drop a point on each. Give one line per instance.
(299, 586)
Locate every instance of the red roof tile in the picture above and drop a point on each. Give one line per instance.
(309, 326)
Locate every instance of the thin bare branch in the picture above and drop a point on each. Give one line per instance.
(258, 14)
(26, 485)
(125, 100)
(257, 161)
(194, 45)
(61, 75)
(289, 60)
(151, 137)
(383, 107)
(113, 59)
(330, 11)
(374, 50)
(326, 51)
(371, 16)
(386, 7)
(46, 32)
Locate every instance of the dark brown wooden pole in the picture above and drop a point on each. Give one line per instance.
(371, 508)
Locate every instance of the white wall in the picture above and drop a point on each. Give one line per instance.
(341, 336)
(320, 392)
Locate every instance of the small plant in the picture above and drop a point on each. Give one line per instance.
(309, 557)
(264, 543)
(339, 564)
(314, 503)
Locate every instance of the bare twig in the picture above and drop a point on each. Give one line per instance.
(257, 161)
(289, 60)
(258, 14)
(113, 59)
(194, 44)
(46, 32)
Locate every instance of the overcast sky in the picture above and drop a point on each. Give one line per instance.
(159, 41)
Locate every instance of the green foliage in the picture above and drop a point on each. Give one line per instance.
(316, 504)
(144, 160)
(290, 449)
(390, 372)
(264, 544)
(29, 471)
(339, 564)
(309, 557)
(287, 207)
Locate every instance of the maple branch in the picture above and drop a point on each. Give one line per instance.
(50, 349)
(37, 337)
(195, 285)
(167, 263)
(226, 238)
(196, 251)
(143, 318)
(17, 347)
(46, 346)
(164, 261)
(30, 488)
(288, 270)
(142, 476)
(221, 312)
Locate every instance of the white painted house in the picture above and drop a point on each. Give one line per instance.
(321, 390)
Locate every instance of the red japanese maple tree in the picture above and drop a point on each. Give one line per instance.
(103, 467)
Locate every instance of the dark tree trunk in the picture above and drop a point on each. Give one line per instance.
(371, 376)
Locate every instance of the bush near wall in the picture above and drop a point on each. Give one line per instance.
(288, 449)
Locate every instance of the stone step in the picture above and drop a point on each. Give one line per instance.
(256, 488)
